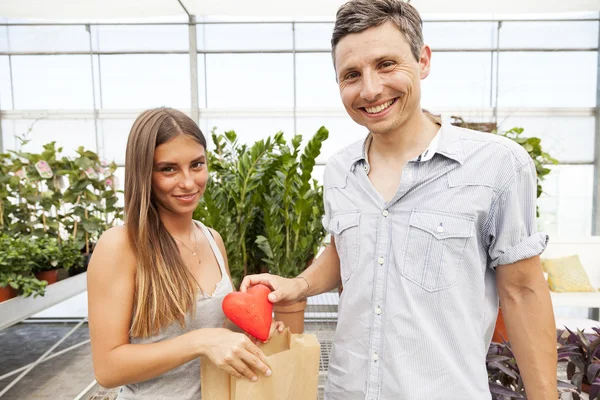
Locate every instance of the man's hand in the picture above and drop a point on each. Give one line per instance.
(285, 290)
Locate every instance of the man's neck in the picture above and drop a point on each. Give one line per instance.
(407, 141)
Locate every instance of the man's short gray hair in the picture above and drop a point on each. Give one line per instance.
(358, 15)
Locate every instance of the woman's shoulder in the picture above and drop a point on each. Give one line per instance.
(114, 250)
(116, 236)
(213, 232)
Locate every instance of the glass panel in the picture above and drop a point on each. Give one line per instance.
(145, 81)
(120, 183)
(566, 205)
(4, 45)
(568, 139)
(140, 37)
(317, 174)
(343, 131)
(250, 80)
(565, 79)
(245, 36)
(316, 86)
(68, 134)
(52, 82)
(459, 35)
(5, 89)
(314, 36)
(457, 80)
(8, 135)
(114, 133)
(250, 130)
(48, 38)
(548, 35)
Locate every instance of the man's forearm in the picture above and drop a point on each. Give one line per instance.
(529, 320)
(324, 273)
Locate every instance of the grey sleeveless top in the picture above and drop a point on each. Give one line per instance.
(183, 382)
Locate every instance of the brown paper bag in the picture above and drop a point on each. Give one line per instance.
(294, 360)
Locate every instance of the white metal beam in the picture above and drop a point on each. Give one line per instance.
(480, 113)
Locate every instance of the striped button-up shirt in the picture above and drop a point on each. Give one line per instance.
(419, 304)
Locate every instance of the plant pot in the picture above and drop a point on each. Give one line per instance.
(7, 293)
(500, 333)
(50, 276)
(62, 274)
(585, 388)
(292, 316)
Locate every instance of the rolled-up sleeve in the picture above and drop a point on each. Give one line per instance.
(512, 231)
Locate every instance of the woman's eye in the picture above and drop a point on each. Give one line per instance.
(198, 164)
(167, 169)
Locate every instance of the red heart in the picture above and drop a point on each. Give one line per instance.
(251, 311)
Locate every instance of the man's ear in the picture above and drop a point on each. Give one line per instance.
(425, 61)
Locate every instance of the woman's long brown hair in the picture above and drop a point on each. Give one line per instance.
(165, 290)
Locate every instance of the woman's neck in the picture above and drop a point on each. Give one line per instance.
(179, 226)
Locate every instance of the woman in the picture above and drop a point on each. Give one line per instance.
(155, 285)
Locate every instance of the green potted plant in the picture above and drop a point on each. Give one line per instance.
(16, 269)
(50, 255)
(48, 195)
(232, 202)
(8, 286)
(264, 202)
(293, 232)
(12, 261)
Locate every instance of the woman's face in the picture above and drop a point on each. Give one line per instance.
(179, 175)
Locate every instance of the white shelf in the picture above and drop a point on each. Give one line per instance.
(19, 308)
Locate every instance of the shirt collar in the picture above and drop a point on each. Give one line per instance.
(445, 142)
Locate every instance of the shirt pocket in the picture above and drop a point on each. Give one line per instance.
(434, 248)
(345, 227)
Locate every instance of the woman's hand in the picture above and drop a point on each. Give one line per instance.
(275, 326)
(235, 353)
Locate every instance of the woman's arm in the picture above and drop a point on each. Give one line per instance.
(111, 284)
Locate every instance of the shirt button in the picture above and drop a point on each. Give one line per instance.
(375, 357)
(378, 311)
(366, 167)
(385, 213)
(380, 260)
(440, 229)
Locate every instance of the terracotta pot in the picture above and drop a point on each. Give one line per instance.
(48, 276)
(7, 293)
(500, 333)
(292, 316)
(585, 388)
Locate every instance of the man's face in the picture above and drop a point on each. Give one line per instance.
(379, 78)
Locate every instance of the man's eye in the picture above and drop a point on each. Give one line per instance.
(387, 64)
(351, 75)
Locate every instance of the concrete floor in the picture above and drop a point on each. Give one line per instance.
(69, 375)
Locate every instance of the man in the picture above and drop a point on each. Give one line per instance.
(431, 224)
